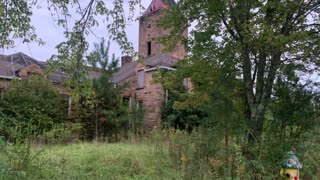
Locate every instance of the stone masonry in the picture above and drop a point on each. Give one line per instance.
(151, 94)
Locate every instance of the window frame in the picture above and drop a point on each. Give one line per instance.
(140, 79)
(149, 48)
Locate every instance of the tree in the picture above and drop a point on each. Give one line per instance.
(15, 22)
(252, 39)
(179, 118)
(31, 107)
(109, 113)
(99, 59)
(292, 122)
(77, 18)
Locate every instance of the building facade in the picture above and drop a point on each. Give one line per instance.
(140, 74)
(137, 75)
(21, 66)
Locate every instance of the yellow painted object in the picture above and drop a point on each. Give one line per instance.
(290, 173)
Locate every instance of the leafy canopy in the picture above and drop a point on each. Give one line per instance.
(250, 40)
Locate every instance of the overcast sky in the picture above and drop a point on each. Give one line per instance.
(47, 30)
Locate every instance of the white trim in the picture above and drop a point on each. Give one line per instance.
(9, 77)
(162, 67)
(168, 68)
(150, 69)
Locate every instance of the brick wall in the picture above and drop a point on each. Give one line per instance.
(33, 69)
(149, 31)
(153, 97)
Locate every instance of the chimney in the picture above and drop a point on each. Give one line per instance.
(126, 60)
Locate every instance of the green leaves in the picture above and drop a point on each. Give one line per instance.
(15, 23)
(99, 58)
(248, 40)
(303, 103)
(32, 104)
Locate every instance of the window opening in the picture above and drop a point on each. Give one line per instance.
(126, 101)
(149, 48)
(140, 79)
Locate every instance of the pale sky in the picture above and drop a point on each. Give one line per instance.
(48, 30)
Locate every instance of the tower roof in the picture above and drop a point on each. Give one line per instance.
(159, 4)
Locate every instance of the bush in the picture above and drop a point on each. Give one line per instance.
(61, 134)
(34, 103)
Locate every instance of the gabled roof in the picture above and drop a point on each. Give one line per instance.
(163, 59)
(57, 78)
(11, 64)
(128, 70)
(24, 60)
(7, 69)
(159, 4)
(124, 72)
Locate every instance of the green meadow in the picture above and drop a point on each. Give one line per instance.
(90, 161)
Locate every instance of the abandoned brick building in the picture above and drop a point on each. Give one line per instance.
(20, 66)
(142, 88)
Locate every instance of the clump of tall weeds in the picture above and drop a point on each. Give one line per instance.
(18, 158)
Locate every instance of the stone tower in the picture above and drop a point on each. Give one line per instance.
(149, 31)
(152, 94)
(143, 89)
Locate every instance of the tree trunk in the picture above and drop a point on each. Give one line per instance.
(96, 123)
(258, 99)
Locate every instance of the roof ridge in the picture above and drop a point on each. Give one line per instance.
(24, 59)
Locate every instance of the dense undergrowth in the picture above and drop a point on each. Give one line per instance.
(203, 155)
(167, 154)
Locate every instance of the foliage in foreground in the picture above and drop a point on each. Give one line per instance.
(255, 41)
(30, 106)
(205, 154)
(169, 154)
(218, 149)
(89, 161)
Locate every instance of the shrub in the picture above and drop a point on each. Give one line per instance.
(61, 134)
(34, 103)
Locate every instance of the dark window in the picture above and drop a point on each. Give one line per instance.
(126, 101)
(149, 48)
(139, 106)
(140, 79)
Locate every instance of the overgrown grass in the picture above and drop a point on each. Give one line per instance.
(167, 154)
(97, 161)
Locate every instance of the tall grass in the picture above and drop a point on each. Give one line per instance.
(167, 154)
(98, 161)
(203, 154)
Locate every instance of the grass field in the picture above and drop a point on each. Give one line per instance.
(91, 161)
